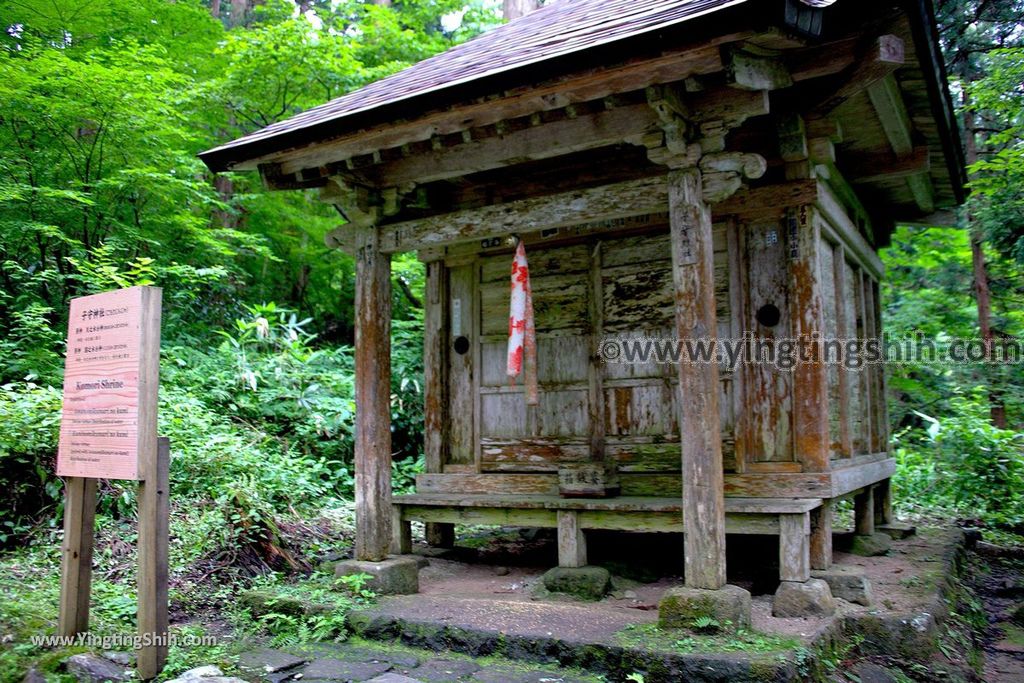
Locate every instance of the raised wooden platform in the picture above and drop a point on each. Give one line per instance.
(789, 518)
(845, 477)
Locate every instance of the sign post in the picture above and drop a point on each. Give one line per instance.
(109, 431)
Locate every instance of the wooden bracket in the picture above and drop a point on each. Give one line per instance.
(361, 207)
(747, 71)
(722, 174)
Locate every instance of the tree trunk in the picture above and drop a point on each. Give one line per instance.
(215, 8)
(513, 9)
(983, 294)
(238, 11)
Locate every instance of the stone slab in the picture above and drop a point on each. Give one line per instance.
(681, 607)
(444, 670)
(812, 598)
(267, 661)
(393, 576)
(343, 670)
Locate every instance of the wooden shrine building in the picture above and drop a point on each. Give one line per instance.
(677, 169)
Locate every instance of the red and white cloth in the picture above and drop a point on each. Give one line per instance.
(522, 337)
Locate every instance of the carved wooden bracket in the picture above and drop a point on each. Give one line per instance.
(361, 207)
(723, 173)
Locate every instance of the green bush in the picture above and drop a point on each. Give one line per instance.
(963, 466)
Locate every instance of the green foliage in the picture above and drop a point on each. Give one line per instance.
(963, 467)
(998, 177)
(928, 291)
(327, 603)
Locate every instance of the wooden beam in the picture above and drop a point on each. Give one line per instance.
(693, 271)
(761, 202)
(543, 141)
(842, 230)
(701, 58)
(848, 479)
(373, 398)
(885, 56)
(729, 106)
(617, 200)
(807, 313)
(870, 168)
(887, 99)
(818, 61)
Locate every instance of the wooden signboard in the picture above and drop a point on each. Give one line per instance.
(111, 374)
(109, 431)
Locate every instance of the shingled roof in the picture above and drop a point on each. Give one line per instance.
(553, 31)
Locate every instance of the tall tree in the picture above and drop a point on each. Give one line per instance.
(513, 9)
(971, 31)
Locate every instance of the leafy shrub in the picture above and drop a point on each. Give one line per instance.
(962, 465)
(30, 415)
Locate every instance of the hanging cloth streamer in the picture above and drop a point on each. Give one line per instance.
(522, 336)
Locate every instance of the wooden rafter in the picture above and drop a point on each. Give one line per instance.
(887, 100)
(885, 56)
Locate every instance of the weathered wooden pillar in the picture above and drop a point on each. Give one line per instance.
(864, 512)
(373, 397)
(883, 502)
(821, 536)
(811, 439)
(810, 375)
(699, 421)
(435, 399)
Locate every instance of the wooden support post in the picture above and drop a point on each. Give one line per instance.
(883, 502)
(401, 532)
(76, 555)
(843, 327)
(810, 375)
(154, 521)
(864, 512)
(572, 544)
(373, 397)
(881, 403)
(435, 397)
(699, 420)
(794, 547)
(821, 536)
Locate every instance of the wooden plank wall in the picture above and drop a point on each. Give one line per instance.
(766, 430)
(857, 405)
(620, 287)
(636, 403)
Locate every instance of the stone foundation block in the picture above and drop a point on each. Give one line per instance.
(587, 583)
(870, 546)
(847, 583)
(682, 607)
(897, 531)
(393, 576)
(812, 598)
